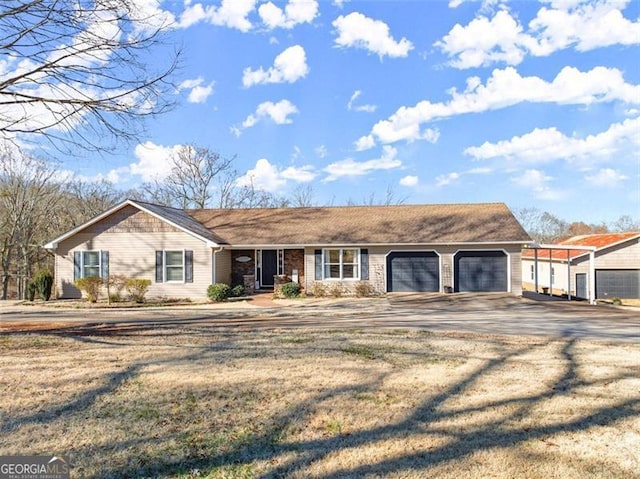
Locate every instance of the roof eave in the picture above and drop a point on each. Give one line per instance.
(363, 243)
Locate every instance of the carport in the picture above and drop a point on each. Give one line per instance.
(591, 276)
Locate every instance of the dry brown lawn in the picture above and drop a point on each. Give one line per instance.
(222, 403)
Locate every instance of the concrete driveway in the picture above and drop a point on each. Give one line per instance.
(474, 313)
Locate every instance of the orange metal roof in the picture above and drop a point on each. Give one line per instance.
(599, 241)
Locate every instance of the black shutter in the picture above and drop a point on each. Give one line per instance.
(318, 255)
(364, 263)
(105, 265)
(159, 274)
(77, 265)
(188, 266)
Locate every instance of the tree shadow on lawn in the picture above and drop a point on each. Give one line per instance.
(295, 457)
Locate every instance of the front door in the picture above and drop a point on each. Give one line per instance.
(269, 267)
(581, 285)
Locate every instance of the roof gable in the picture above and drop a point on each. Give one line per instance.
(172, 216)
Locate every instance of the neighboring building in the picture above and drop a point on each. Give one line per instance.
(438, 248)
(617, 266)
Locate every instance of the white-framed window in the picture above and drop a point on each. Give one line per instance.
(533, 272)
(91, 264)
(174, 266)
(341, 263)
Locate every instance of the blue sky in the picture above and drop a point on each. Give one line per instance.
(536, 104)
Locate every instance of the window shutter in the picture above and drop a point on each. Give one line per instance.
(364, 264)
(77, 265)
(318, 255)
(105, 264)
(159, 274)
(188, 266)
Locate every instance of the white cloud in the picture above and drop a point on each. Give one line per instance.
(538, 183)
(268, 177)
(350, 167)
(583, 25)
(365, 143)
(294, 13)
(484, 41)
(548, 144)
(358, 31)
(154, 161)
(278, 112)
(303, 174)
(198, 93)
(321, 151)
(503, 89)
(409, 180)
(230, 13)
(443, 180)
(606, 177)
(364, 108)
(448, 178)
(288, 67)
(485, 3)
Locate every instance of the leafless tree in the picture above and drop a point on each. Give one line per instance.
(29, 199)
(197, 176)
(625, 223)
(389, 199)
(85, 199)
(246, 195)
(76, 73)
(302, 196)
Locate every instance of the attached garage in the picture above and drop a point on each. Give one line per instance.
(481, 271)
(413, 271)
(620, 283)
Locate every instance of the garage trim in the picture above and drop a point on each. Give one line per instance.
(386, 262)
(473, 250)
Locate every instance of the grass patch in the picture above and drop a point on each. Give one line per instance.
(361, 350)
(190, 402)
(295, 339)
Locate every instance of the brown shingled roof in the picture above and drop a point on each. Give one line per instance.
(404, 224)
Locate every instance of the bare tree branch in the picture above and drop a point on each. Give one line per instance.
(77, 71)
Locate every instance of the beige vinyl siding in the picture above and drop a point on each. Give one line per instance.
(223, 267)
(378, 258)
(133, 255)
(559, 277)
(623, 256)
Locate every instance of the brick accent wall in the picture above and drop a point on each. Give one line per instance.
(294, 259)
(240, 270)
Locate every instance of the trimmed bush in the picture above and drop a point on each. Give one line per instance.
(364, 289)
(336, 290)
(290, 290)
(43, 283)
(218, 292)
(90, 286)
(117, 283)
(319, 290)
(137, 289)
(237, 290)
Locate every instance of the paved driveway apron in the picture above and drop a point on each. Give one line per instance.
(475, 313)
